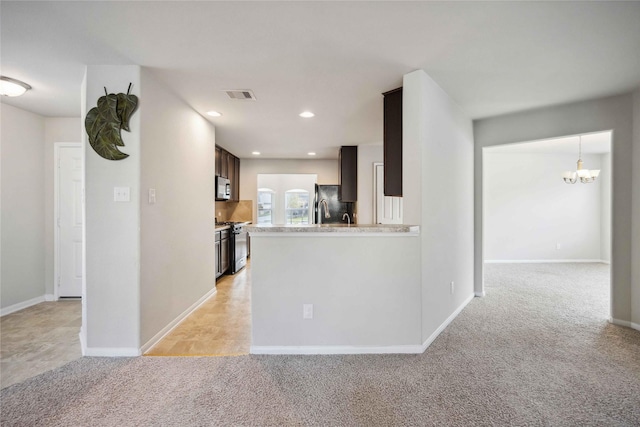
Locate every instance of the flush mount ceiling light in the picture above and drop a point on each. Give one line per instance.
(586, 176)
(311, 153)
(306, 114)
(255, 153)
(214, 114)
(12, 87)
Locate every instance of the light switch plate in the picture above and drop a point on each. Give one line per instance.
(307, 311)
(152, 196)
(121, 194)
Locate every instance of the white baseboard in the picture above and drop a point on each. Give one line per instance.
(49, 297)
(21, 305)
(336, 349)
(626, 323)
(344, 349)
(446, 323)
(83, 345)
(539, 261)
(111, 351)
(175, 322)
(479, 294)
(106, 351)
(620, 322)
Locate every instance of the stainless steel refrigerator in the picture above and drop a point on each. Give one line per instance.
(335, 208)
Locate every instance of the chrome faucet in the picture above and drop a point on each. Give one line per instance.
(348, 218)
(326, 210)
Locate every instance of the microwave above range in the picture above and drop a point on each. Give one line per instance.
(223, 188)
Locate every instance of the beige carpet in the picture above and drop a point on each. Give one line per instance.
(536, 351)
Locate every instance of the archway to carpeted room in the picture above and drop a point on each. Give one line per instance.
(546, 237)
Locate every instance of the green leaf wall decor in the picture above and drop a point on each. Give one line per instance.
(104, 122)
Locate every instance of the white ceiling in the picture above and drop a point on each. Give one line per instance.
(333, 58)
(593, 143)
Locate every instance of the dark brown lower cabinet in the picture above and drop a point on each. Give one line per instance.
(222, 259)
(224, 252)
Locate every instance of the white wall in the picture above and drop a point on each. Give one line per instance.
(111, 299)
(605, 207)
(56, 129)
(438, 195)
(611, 113)
(367, 156)
(635, 289)
(365, 292)
(22, 227)
(529, 209)
(327, 171)
(280, 184)
(177, 232)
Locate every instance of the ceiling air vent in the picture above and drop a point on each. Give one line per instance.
(243, 95)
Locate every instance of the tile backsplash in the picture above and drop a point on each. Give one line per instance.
(234, 211)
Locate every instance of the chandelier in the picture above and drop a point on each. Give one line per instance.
(586, 176)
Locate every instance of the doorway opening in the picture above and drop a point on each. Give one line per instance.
(539, 230)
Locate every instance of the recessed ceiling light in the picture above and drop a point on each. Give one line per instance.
(12, 87)
(255, 153)
(311, 153)
(307, 114)
(214, 114)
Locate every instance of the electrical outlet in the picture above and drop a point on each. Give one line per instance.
(452, 286)
(152, 196)
(121, 194)
(558, 246)
(307, 311)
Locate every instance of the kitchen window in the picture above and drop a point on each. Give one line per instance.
(265, 206)
(297, 206)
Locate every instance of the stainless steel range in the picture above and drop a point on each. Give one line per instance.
(238, 246)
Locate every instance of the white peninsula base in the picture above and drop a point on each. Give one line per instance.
(363, 283)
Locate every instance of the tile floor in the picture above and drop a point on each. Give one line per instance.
(39, 338)
(221, 326)
(45, 336)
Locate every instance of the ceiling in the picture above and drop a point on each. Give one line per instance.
(592, 143)
(332, 58)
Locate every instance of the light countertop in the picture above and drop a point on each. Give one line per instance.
(220, 227)
(333, 228)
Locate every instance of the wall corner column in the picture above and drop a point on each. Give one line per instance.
(111, 230)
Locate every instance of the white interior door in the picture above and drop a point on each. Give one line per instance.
(69, 221)
(388, 210)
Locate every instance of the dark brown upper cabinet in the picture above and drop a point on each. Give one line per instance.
(393, 142)
(348, 173)
(235, 180)
(228, 166)
(218, 160)
(224, 164)
(233, 172)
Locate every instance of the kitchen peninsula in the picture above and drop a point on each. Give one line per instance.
(331, 289)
